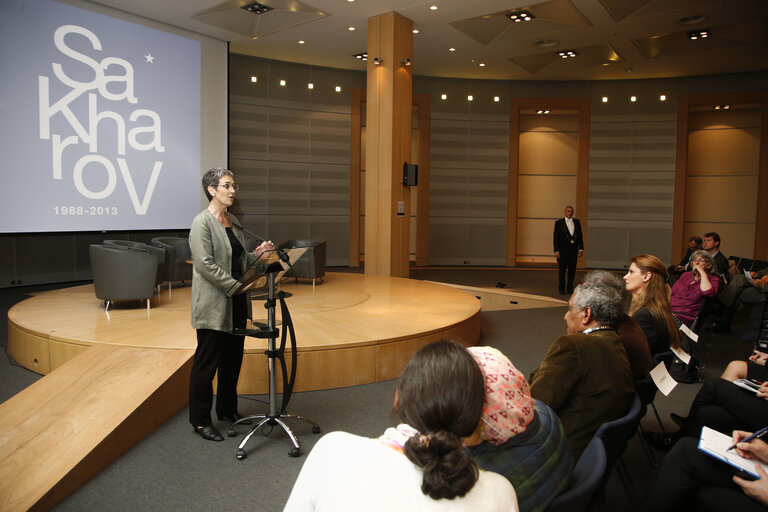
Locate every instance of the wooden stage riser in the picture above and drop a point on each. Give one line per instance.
(328, 369)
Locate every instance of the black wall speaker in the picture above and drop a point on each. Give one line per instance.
(410, 174)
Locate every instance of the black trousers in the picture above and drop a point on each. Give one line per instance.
(216, 350)
(567, 260)
(723, 406)
(690, 480)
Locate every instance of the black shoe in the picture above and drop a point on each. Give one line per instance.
(662, 442)
(234, 418)
(209, 432)
(679, 420)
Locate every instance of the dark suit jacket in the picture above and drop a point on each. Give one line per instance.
(561, 238)
(721, 262)
(684, 261)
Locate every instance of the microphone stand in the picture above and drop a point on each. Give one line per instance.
(280, 252)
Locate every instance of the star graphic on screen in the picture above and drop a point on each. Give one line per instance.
(150, 58)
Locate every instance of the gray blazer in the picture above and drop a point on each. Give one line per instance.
(212, 262)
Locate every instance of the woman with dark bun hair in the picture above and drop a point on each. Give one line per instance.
(419, 465)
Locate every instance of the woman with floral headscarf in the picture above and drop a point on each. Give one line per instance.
(517, 436)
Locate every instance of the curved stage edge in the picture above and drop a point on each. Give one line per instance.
(353, 329)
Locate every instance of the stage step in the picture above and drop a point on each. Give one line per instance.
(68, 426)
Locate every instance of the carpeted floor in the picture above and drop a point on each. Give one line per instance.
(173, 469)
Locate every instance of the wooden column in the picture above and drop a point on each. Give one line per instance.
(388, 144)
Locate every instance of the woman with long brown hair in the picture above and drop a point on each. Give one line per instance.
(650, 308)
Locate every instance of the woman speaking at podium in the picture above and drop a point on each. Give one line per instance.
(219, 260)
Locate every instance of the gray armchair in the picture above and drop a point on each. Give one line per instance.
(157, 252)
(122, 274)
(177, 254)
(311, 264)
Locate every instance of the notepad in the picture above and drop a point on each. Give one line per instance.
(716, 444)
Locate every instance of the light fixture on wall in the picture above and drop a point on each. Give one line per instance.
(406, 62)
(377, 61)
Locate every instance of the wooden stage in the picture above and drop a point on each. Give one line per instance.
(113, 377)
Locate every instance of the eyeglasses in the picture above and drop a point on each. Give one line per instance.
(233, 186)
(697, 260)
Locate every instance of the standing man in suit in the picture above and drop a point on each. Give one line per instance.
(569, 246)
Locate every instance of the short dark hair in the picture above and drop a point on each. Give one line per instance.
(714, 236)
(697, 239)
(211, 179)
(441, 393)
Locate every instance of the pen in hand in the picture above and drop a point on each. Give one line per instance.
(757, 435)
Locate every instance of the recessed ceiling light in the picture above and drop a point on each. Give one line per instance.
(520, 16)
(361, 56)
(310, 85)
(338, 87)
(433, 7)
(496, 99)
(567, 54)
(443, 96)
(282, 83)
(542, 112)
(470, 98)
(301, 41)
(698, 34)
(546, 43)
(692, 20)
(605, 99)
(633, 98)
(256, 8)
(663, 97)
(415, 31)
(482, 64)
(351, 29)
(254, 79)
(451, 49)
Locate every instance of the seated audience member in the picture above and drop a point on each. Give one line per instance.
(585, 376)
(741, 290)
(519, 437)
(630, 334)
(419, 465)
(693, 287)
(722, 405)
(711, 244)
(675, 271)
(688, 479)
(646, 281)
(754, 368)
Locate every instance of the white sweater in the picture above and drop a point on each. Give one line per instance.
(345, 472)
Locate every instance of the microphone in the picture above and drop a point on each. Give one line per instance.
(280, 252)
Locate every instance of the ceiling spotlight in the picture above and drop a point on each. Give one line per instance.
(451, 49)
(496, 99)
(542, 112)
(482, 64)
(351, 29)
(470, 98)
(415, 31)
(301, 41)
(663, 97)
(546, 43)
(443, 96)
(633, 98)
(520, 16)
(433, 7)
(722, 107)
(605, 99)
(254, 79)
(361, 56)
(257, 8)
(338, 88)
(698, 34)
(310, 85)
(282, 83)
(567, 54)
(406, 62)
